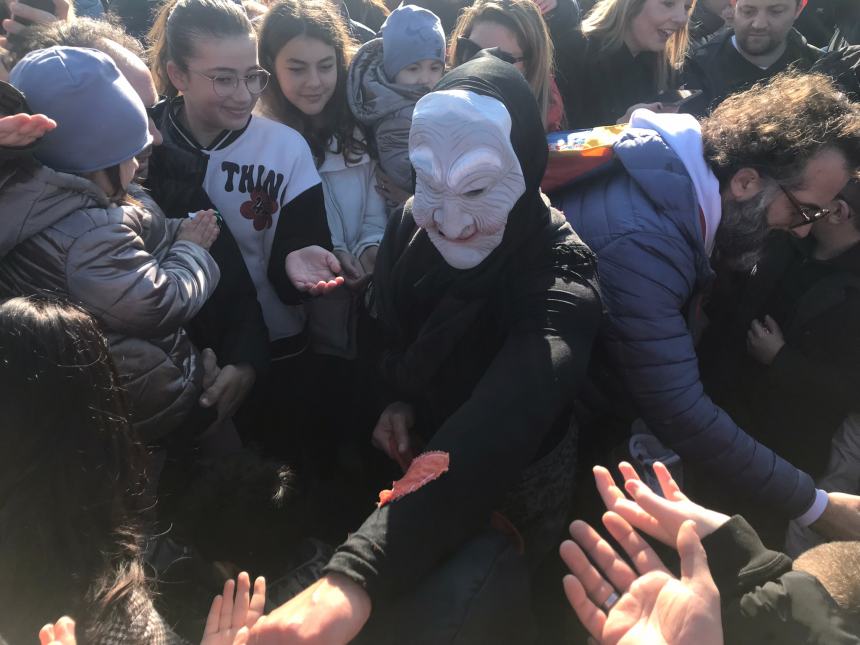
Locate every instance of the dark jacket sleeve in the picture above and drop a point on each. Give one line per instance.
(490, 439)
(571, 55)
(231, 321)
(647, 280)
(301, 223)
(695, 77)
(828, 369)
(763, 600)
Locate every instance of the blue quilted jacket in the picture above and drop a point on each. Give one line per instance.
(641, 217)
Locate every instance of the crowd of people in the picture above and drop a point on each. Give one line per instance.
(283, 290)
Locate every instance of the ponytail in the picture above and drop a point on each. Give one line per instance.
(180, 23)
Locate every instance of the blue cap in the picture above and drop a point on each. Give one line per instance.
(101, 121)
(410, 34)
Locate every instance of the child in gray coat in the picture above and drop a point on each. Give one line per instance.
(386, 78)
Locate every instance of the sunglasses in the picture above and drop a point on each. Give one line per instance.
(808, 214)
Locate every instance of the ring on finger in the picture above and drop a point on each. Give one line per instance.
(610, 601)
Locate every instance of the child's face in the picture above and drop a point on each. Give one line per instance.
(307, 73)
(213, 106)
(426, 72)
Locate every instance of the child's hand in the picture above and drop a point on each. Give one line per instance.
(314, 269)
(391, 434)
(386, 188)
(353, 271)
(60, 633)
(764, 340)
(368, 259)
(203, 230)
(229, 621)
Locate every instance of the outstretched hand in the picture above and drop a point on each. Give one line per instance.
(24, 15)
(840, 519)
(659, 517)
(313, 269)
(60, 633)
(20, 130)
(229, 620)
(654, 607)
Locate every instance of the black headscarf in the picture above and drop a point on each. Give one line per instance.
(423, 303)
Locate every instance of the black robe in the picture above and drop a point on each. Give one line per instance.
(491, 357)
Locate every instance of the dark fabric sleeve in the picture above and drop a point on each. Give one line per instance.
(562, 21)
(763, 600)
(231, 322)
(647, 280)
(571, 55)
(739, 561)
(693, 77)
(490, 439)
(301, 223)
(832, 375)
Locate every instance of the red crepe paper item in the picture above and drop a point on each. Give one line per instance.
(423, 470)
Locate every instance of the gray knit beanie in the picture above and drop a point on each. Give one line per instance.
(410, 34)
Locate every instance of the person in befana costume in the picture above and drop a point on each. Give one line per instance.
(489, 306)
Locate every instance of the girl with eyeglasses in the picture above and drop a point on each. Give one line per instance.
(259, 174)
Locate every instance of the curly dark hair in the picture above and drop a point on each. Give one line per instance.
(286, 20)
(778, 126)
(81, 32)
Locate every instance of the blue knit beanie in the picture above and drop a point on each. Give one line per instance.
(410, 34)
(101, 121)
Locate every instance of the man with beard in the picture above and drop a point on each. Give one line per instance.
(762, 43)
(677, 197)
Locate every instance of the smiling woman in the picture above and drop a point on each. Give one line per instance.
(626, 54)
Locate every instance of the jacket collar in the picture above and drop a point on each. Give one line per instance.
(166, 115)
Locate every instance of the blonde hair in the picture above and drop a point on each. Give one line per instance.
(523, 18)
(609, 20)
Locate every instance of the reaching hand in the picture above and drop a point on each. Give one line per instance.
(391, 433)
(202, 230)
(353, 272)
(659, 517)
(21, 130)
(210, 367)
(546, 6)
(23, 15)
(764, 340)
(60, 633)
(228, 390)
(654, 608)
(229, 621)
(330, 612)
(368, 259)
(388, 190)
(841, 518)
(313, 269)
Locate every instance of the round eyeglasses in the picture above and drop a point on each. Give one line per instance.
(224, 85)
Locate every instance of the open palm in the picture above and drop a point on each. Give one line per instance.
(313, 269)
(229, 621)
(654, 607)
(659, 609)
